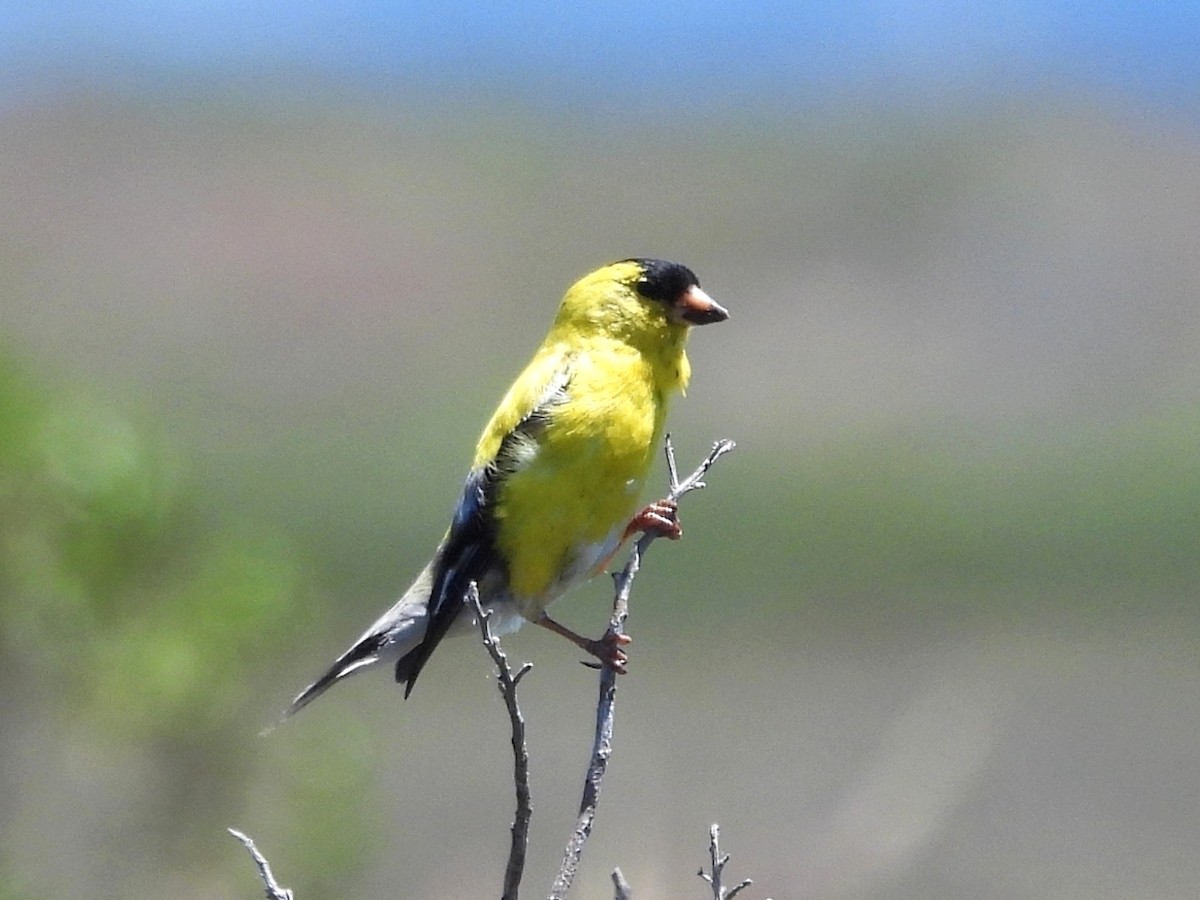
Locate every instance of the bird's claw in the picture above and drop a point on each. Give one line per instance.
(660, 517)
(608, 651)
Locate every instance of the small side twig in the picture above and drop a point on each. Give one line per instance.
(273, 889)
(507, 681)
(605, 708)
(718, 861)
(622, 887)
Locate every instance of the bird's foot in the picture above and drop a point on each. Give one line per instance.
(608, 651)
(660, 517)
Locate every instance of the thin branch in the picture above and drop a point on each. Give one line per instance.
(717, 861)
(695, 481)
(621, 886)
(273, 889)
(507, 682)
(602, 742)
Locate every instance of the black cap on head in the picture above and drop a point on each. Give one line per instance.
(662, 280)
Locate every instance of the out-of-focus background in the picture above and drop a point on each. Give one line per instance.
(933, 631)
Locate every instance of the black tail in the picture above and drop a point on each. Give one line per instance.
(466, 555)
(361, 654)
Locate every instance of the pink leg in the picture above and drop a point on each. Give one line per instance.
(607, 649)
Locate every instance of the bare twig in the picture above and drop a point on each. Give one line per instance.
(717, 861)
(621, 886)
(602, 742)
(507, 682)
(273, 889)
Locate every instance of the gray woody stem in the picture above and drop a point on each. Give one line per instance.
(507, 682)
(602, 743)
(273, 889)
(717, 861)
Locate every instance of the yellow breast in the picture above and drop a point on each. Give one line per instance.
(566, 508)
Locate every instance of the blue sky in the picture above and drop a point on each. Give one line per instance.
(701, 50)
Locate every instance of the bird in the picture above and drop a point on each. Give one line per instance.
(553, 489)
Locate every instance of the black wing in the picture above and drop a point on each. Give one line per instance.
(469, 553)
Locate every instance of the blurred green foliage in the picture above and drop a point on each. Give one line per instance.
(113, 590)
(139, 624)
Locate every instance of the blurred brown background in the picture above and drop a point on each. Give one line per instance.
(932, 631)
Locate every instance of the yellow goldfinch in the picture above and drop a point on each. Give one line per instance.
(557, 473)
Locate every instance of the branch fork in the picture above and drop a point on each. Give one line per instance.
(507, 682)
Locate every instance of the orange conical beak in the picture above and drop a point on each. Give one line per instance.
(697, 308)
